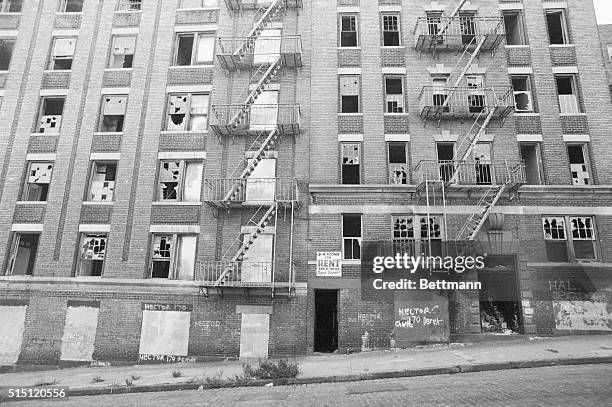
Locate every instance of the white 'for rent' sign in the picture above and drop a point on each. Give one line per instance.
(329, 264)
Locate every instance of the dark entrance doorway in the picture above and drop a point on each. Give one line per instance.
(326, 321)
(500, 310)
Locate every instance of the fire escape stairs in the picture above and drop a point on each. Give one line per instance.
(246, 244)
(270, 13)
(477, 219)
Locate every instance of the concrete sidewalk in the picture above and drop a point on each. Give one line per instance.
(435, 359)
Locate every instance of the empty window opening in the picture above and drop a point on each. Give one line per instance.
(194, 49)
(23, 254)
(91, 255)
(398, 164)
(10, 6)
(523, 102)
(476, 97)
(446, 155)
(113, 113)
(348, 31)
(440, 92)
(50, 115)
(515, 32)
(530, 154)
(351, 158)
(351, 237)
(6, 53)
(326, 321)
(37, 182)
(394, 94)
(72, 6)
(566, 89)
(103, 179)
(129, 5)
(481, 154)
(180, 181)
(557, 27)
(434, 25)
(188, 112)
(350, 88)
(62, 53)
(468, 28)
(122, 52)
(579, 165)
(173, 256)
(391, 30)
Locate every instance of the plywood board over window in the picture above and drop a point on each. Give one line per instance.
(165, 333)
(79, 333)
(254, 335)
(12, 321)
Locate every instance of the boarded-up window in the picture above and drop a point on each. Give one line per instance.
(173, 256)
(180, 181)
(37, 181)
(122, 51)
(12, 321)
(350, 89)
(165, 333)
(91, 255)
(254, 335)
(103, 178)
(79, 333)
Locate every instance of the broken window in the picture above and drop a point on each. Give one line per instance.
(557, 27)
(173, 256)
(583, 238)
(568, 95)
(113, 113)
(348, 30)
(50, 118)
(129, 5)
(446, 155)
(515, 29)
(10, 6)
(351, 157)
(194, 49)
(476, 97)
(391, 30)
(351, 237)
(398, 164)
(350, 88)
(23, 254)
(71, 6)
(580, 244)
(180, 181)
(103, 179)
(394, 94)
(92, 252)
(37, 182)
(122, 51)
(62, 53)
(522, 94)
(467, 25)
(403, 234)
(199, 3)
(6, 53)
(424, 240)
(187, 112)
(579, 166)
(556, 239)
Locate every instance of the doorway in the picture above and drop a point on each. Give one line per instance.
(326, 321)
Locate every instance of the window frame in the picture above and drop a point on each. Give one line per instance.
(358, 239)
(5, 7)
(25, 192)
(174, 255)
(569, 239)
(194, 47)
(575, 92)
(41, 111)
(341, 17)
(529, 91)
(567, 40)
(112, 55)
(180, 187)
(402, 100)
(417, 240)
(13, 41)
(520, 18)
(343, 165)
(391, 171)
(80, 260)
(397, 15)
(188, 113)
(64, 4)
(53, 59)
(92, 173)
(587, 164)
(120, 8)
(342, 96)
(14, 247)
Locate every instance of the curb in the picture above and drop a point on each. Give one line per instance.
(456, 369)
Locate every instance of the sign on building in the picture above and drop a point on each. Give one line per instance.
(329, 264)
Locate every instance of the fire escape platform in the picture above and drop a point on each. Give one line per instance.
(282, 191)
(460, 32)
(258, 4)
(258, 118)
(288, 47)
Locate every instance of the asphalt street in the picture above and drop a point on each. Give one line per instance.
(585, 385)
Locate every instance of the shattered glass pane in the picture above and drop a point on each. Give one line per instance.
(93, 247)
(40, 173)
(554, 228)
(162, 247)
(582, 228)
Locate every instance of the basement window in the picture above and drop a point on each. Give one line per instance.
(180, 181)
(568, 95)
(71, 6)
(348, 30)
(394, 94)
(350, 89)
(91, 255)
(194, 49)
(391, 30)
(515, 29)
(10, 6)
(23, 254)
(37, 182)
(62, 53)
(351, 157)
(557, 27)
(351, 237)
(50, 118)
(6, 53)
(102, 183)
(173, 256)
(579, 165)
(113, 113)
(188, 112)
(129, 5)
(398, 164)
(523, 102)
(122, 51)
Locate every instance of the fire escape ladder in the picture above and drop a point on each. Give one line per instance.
(261, 85)
(477, 219)
(270, 13)
(246, 244)
(259, 155)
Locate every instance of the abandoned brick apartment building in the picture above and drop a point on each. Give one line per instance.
(190, 178)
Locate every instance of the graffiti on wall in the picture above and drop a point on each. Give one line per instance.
(577, 310)
(365, 319)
